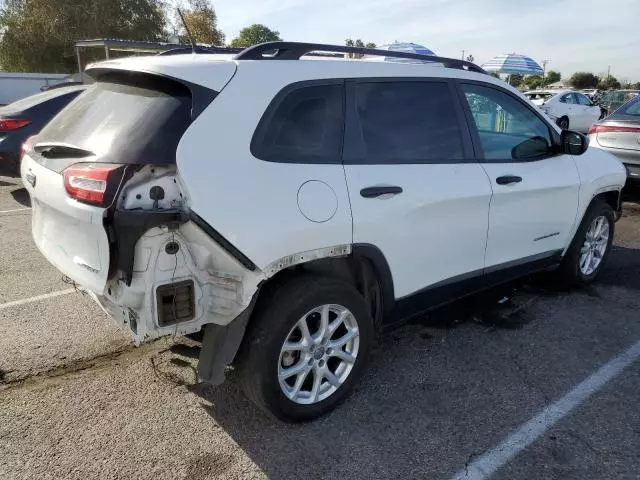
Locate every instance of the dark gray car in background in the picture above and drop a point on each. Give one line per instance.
(619, 134)
(26, 117)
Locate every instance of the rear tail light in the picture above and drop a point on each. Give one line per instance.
(612, 128)
(26, 147)
(93, 183)
(10, 124)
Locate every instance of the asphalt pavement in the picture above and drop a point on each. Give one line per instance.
(441, 396)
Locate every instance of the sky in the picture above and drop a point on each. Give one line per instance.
(573, 35)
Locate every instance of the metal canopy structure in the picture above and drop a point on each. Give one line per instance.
(135, 46)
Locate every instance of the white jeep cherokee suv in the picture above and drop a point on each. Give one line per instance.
(296, 207)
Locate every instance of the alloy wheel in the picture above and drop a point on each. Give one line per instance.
(595, 245)
(318, 354)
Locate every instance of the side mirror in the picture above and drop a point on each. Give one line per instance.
(531, 148)
(573, 143)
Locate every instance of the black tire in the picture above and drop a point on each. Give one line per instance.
(570, 266)
(10, 165)
(273, 320)
(563, 123)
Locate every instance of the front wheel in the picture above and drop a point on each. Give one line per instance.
(308, 345)
(591, 246)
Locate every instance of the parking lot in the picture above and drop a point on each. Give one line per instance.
(542, 386)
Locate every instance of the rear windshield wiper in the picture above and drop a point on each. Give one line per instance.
(61, 150)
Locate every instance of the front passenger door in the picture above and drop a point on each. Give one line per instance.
(535, 191)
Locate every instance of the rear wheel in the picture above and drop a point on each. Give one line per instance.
(591, 246)
(309, 344)
(563, 123)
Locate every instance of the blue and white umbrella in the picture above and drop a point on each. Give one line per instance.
(513, 63)
(401, 47)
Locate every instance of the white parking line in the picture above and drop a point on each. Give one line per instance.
(37, 298)
(489, 462)
(14, 210)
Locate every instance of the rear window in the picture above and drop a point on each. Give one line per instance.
(123, 118)
(303, 124)
(631, 108)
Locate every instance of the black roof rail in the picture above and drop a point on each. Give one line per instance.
(200, 49)
(295, 50)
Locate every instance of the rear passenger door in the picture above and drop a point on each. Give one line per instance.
(416, 193)
(570, 109)
(589, 113)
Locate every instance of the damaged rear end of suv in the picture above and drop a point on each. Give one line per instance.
(112, 213)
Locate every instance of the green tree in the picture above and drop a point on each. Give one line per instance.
(357, 43)
(532, 82)
(254, 35)
(609, 83)
(583, 80)
(202, 21)
(552, 77)
(38, 35)
(515, 79)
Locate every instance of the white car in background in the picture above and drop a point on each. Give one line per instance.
(569, 109)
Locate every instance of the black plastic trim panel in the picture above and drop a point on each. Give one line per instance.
(460, 286)
(382, 270)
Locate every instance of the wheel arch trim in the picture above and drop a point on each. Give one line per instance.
(383, 272)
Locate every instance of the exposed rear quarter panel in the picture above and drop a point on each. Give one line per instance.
(251, 202)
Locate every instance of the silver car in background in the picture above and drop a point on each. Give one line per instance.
(619, 134)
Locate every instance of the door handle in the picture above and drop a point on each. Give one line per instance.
(508, 179)
(373, 192)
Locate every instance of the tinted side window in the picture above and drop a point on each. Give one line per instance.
(406, 122)
(507, 129)
(303, 125)
(567, 98)
(582, 99)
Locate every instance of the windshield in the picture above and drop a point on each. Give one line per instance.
(539, 95)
